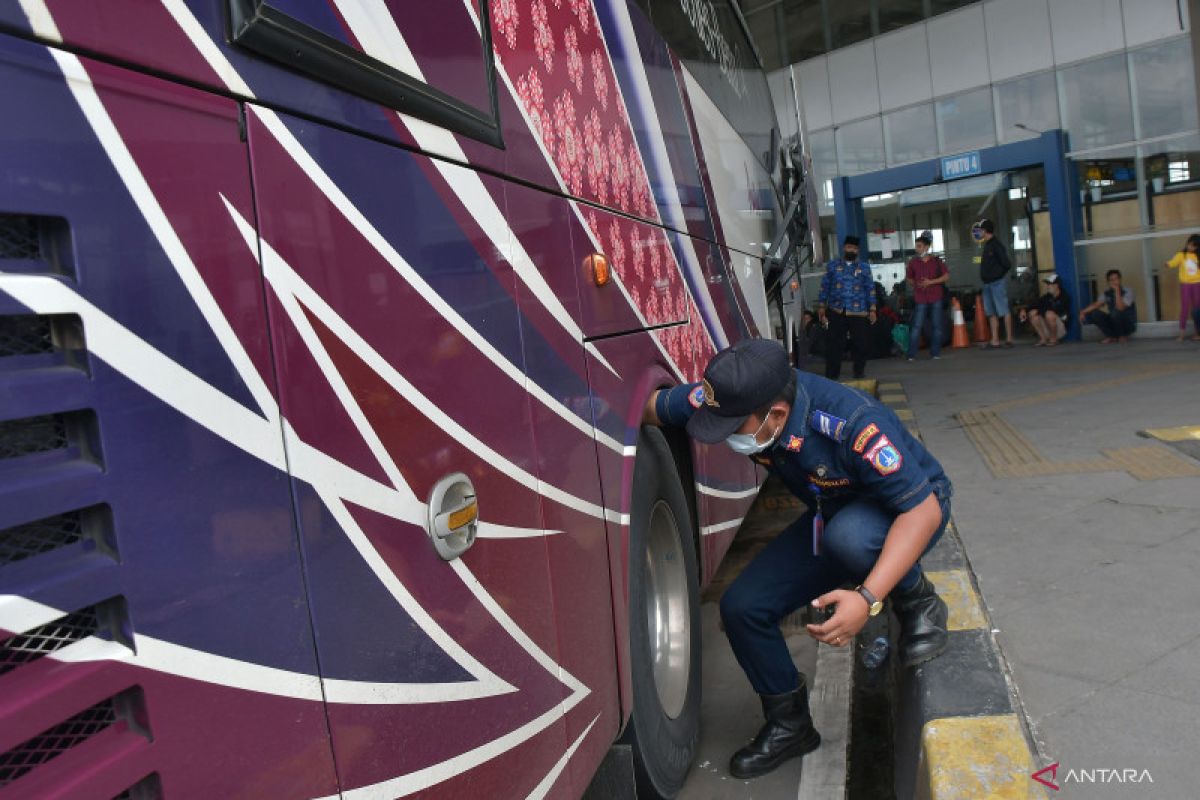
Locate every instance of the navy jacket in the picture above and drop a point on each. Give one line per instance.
(838, 445)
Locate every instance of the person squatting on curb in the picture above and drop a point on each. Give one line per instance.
(877, 501)
(1050, 314)
(1115, 313)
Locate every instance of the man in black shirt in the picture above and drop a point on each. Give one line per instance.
(993, 269)
(1050, 313)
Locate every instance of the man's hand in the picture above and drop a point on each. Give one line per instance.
(872, 316)
(849, 617)
(821, 317)
(650, 412)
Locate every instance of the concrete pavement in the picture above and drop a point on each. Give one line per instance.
(1086, 541)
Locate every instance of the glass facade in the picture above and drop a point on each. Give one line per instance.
(911, 134)
(1158, 73)
(966, 122)
(1025, 106)
(1096, 106)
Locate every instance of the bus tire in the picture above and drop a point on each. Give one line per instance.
(664, 623)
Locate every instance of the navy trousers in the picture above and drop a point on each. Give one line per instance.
(786, 575)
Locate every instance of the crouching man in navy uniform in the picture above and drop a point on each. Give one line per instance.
(877, 502)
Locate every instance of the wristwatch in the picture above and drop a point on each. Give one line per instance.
(875, 604)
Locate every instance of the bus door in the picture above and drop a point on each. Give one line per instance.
(153, 621)
(399, 348)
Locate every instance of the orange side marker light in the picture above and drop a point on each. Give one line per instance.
(598, 265)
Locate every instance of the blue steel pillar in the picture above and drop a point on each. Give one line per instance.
(848, 211)
(1062, 200)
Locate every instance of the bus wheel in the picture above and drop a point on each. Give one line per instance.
(664, 623)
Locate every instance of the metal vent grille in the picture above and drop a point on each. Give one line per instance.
(44, 640)
(53, 743)
(41, 536)
(19, 237)
(24, 437)
(25, 335)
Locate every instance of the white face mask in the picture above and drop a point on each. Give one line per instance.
(747, 443)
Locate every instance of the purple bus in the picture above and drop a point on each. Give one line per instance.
(325, 330)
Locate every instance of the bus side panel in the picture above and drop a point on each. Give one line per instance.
(144, 469)
(579, 562)
(398, 324)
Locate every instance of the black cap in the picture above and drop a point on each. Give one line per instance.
(737, 382)
(925, 237)
(850, 240)
(986, 224)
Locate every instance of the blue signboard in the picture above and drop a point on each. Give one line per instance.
(961, 166)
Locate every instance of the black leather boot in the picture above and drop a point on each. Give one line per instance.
(922, 623)
(788, 733)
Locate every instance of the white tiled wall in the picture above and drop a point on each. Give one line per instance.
(988, 42)
(958, 50)
(1018, 37)
(1148, 20)
(1086, 28)
(813, 76)
(853, 82)
(902, 58)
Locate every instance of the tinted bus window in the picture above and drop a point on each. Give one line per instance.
(709, 38)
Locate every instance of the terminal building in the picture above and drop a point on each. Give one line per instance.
(1072, 124)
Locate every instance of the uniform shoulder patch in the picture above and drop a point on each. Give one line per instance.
(884, 456)
(794, 443)
(696, 396)
(869, 432)
(828, 425)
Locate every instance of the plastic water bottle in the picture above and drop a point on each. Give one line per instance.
(876, 653)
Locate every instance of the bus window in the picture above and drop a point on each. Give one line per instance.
(448, 82)
(711, 40)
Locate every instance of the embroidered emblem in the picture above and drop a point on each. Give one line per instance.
(822, 470)
(696, 397)
(710, 397)
(860, 444)
(794, 443)
(828, 424)
(884, 456)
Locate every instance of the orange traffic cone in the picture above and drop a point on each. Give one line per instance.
(960, 338)
(983, 333)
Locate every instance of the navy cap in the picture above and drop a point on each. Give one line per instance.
(738, 381)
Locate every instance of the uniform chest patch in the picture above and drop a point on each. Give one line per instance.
(869, 432)
(828, 425)
(696, 397)
(794, 443)
(828, 483)
(884, 456)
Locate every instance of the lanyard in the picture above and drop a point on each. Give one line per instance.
(818, 520)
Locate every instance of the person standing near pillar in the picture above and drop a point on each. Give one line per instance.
(846, 304)
(993, 271)
(928, 274)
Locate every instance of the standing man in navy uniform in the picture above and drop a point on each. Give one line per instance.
(877, 501)
(847, 303)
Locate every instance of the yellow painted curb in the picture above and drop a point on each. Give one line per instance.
(966, 610)
(903, 414)
(977, 758)
(864, 385)
(891, 399)
(1181, 434)
(891, 387)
